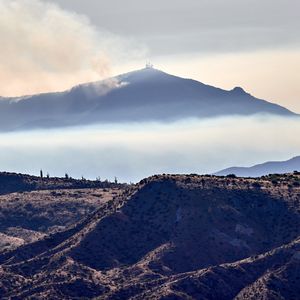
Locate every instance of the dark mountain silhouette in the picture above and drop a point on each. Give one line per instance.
(170, 237)
(16, 182)
(144, 95)
(270, 167)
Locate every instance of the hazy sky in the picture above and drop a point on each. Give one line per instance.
(52, 45)
(249, 43)
(186, 26)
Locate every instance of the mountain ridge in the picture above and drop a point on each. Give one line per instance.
(143, 95)
(266, 168)
(170, 237)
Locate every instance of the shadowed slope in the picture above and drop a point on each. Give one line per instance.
(144, 95)
(172, 236)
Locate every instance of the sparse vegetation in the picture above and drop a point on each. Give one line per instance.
(231, 176)
(167, 236)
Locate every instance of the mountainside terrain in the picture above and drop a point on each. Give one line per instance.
(32, 207)
(271, 167)
(170, 237)
(144, 95)
(13, 182)
(29, 216)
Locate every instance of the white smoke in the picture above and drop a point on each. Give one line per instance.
(45, 48)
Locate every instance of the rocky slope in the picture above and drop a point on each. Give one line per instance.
(32, 207)
(171, 237)
(29, 216)
(14, 182)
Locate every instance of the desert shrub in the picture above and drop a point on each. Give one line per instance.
(231, 176)
(256, 185)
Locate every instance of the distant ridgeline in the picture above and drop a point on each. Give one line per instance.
(13, 182)
(143, 95)
(271, 167)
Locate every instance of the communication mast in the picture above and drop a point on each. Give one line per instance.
(149, 65)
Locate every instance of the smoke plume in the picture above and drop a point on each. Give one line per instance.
(45, 48)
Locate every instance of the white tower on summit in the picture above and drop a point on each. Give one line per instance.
(149, 65)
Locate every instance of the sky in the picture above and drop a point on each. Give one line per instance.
(53, 45)
(250, 43)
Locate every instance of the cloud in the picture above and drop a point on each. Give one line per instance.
(203, 26)
(45, 48)
(134, 151)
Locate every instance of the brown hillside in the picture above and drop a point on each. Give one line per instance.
(171, 237)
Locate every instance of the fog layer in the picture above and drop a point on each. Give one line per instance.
(132, 152)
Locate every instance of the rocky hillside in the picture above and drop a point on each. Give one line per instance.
(14, 182)
(32, 207)
(29, 216)
(171, 237)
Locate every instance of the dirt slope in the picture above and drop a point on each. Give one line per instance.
(171, 237)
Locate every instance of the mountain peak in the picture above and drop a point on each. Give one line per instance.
(146, 73)
(143, 95)
(146, 70)
(239, 90)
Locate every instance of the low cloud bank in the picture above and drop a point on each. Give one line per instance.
(134, 151)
